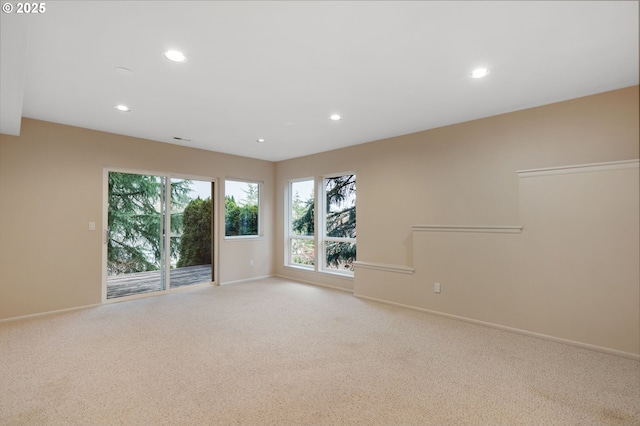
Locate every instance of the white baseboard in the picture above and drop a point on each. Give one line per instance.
(246, 280)
(57, 311)
(582, 345)
(284, 277)
(111, 301)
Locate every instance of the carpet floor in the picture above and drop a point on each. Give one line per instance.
(276, 352)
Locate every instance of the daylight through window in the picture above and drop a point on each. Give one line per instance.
(242, 208)
(334, 248)
(302, 249)
(339, 236)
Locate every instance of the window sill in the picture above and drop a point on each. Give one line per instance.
(245, 238)
(300, 268)
(346, 277)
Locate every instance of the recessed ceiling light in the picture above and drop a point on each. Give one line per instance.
(175, 56)
(122, 108)
(335, 117)
(479, 73)
(261, 140)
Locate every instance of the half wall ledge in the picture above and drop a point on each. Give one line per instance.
(460, 228)
(580, 168)
(398, 269)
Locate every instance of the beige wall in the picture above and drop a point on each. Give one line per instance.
(465, 174)
(51, 187)
(572, 273)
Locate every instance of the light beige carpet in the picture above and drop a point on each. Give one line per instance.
(275, 352)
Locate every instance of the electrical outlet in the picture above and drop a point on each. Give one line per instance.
(250, 262)
(436, 287)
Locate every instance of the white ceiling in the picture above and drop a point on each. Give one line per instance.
(277, 69)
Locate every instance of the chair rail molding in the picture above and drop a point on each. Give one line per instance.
(507, 229)
(580, 168)
(398, 269)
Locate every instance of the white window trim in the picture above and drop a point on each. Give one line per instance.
(321, 220)
(260, 234)
(288, 235)
(105, 219)
(318, 237)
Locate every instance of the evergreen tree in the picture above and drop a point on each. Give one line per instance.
(195, 244)
(248, 220)
(340, 220)
(135, 221)
(252, 194)
(242, 218)
(232, 216)
(303, 216)
(341, 206)
(302, 250)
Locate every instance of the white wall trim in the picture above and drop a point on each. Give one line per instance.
(462, 228)
(339, 275)
(326, 273)
(294, 267)
(580, 168)
(246, 280)
(398, 269)
(582, 345)
(57, 311)
(298, 280)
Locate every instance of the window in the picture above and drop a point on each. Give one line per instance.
(339, 223)
(301, 227)
(242, 208)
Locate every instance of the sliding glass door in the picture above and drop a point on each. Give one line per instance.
(192, 234)
(159, 235)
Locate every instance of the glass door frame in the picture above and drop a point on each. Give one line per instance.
(215, 230)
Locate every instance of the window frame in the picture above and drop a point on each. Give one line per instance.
(290, 236)
(166, 267)
(259, 233)
(319, 237)
(322, 225)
